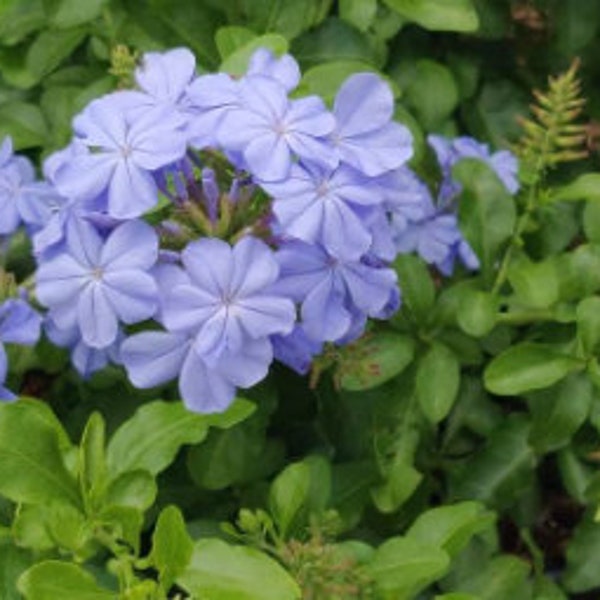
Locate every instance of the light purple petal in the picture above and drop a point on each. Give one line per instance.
(96, 317)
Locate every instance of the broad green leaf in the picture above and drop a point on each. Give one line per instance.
(431, 93)
(171, 546)
(591, 221)
(92, 458)
(526, 367)
(373, 360)
(300, 489)
(585, 187)
(558, 412)
(50, 48)
(456, 596)
(70, 13)
(232, 38)
(477, 312)
(29, 528)
(24, 123)
(437, 381)
(236, 63)
(579, 272)
(451, 527)
(285, 17)
(218, 571)
(350, 485)
(31, 465)
(13, 561)
(18, 19)
(125, 521)
(402, 566)
(438, 15)
(486, 212)
(136, 489)
(193, 24)
(51, 580)
(503, 577)
(67, 526)
(152, 437)
(334, 40)
(401, 482)
(359, 13)
(501, 470)
(325, 79)
(577, 477)
(588, 324)
(535, 284)
(583, 558)
(418, 291)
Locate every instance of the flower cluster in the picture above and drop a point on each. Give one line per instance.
(240, 222)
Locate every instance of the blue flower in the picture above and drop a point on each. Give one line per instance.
(323, 206)
(284, 70)
(335, 294)
(229, 301)
(123, 147)
(94, 283)
(449, 152)
(365, 136)
(271, 131)
(19, 324)
(155, 357)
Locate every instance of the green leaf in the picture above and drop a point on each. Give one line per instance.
(218, 571)
(136, 489)
(591, 221)
(418, 291)
(583, 558)
(451, 527)
(18, 19)
(238, 455)
(501, 578)
(401, 482)
(232, 38)
(373, 360)
(579, 272)
(437, 381)
(171, 546)
(13, 561)
(125, 522)
(588, 324)
(301, 489)
(152, 437)
(535, 284)
(559, 412)
(486, 212)
(193, 24)
(499, 472)
(31, 464)
(92, 457)
(24, 123)
(236, 64)
(432, 93)
(438, 15)
(50, 48)
(528, 366)
(52, 579)
(334, 40)
(402, 566)
(29, 528)
(585, 187)
(325, 79)
(477, 312)
(359, 13)
(70, 13)
(286, 17)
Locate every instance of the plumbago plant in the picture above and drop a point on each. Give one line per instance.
(373, 349)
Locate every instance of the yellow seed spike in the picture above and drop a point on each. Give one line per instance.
(552, 135)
